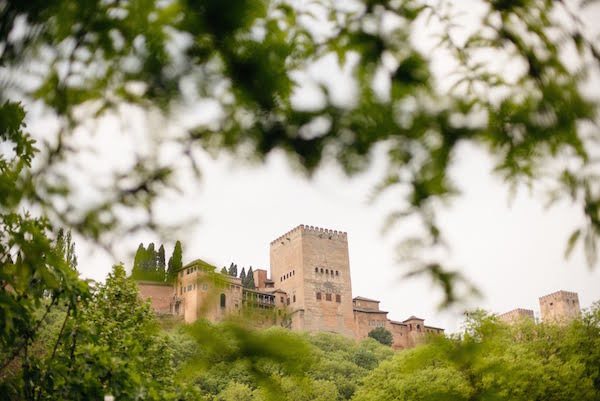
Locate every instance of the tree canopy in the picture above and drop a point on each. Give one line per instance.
(83, 61)
(382, 335)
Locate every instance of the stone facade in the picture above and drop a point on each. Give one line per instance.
(516, 315)
(560, 306)
(406, 334)
(309, 290)
(312, 265)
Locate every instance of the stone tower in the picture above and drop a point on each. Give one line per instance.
(559, 306)
(312, 265)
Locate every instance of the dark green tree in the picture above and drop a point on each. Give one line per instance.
(525, 120)
(150, 259)
(249, 283)
(382, 335)
(139, 259)
(176, 260)
(243, 275)
(224, 271)
(232, 270)
(66, 248)
(116, 341)
(36, 273)
(161, 265)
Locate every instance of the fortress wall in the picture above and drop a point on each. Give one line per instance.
(286, 271)
(326, 270)
(559, 306)
(399, 334)
(365, 322)
(160, 295)
(516, 315)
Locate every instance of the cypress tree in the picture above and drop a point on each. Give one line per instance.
(232, 270)
(170, 271)
(150, 258)
(250, 280)
(177, 263)
(160, 267)
(243, 275)
(139, 259)
(224, 271)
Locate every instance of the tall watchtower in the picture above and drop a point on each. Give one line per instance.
(560, 306)
(312, 265)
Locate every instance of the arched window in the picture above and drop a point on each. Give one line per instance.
(326, 271)
(321, 270)
(222, 300)
(294, 298)
(316, 269)
(337, 273)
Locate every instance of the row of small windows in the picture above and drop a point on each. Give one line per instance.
(377, 323)
(188, 271)
(327, 271)
(287, 275)
(192, 287)
(338, 297)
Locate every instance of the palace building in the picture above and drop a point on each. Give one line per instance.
(309, 289)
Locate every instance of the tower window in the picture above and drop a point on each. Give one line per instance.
(337, 273)
(321, 270)
(327, 297)
(318, 296)
(282, 301)
(294, 299)
(316, 269)
(223, 301)
(338, 298)
(326, 271)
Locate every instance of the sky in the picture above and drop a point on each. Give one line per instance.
(510, 247)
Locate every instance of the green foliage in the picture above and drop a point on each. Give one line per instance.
(112, 345)
(232, 270)
(492, 361)
(249, 281)
(149, 265)
(245, 56)
(382, 335)
(160, 261)
(243, 275)
(37, 273)
(278, 364)
(249, 59)
(175, 262)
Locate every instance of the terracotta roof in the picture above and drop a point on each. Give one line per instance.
(397, 322)
(436, 328)
(413, 317)
(368, 310)
(364, 299)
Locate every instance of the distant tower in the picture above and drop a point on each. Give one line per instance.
(559, 306)
(312, 265)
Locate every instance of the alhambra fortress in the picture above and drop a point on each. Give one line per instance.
(309, 289)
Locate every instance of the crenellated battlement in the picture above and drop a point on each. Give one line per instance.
(310, 230)
(556, 294)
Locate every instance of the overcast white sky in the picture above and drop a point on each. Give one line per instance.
(512, 252)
